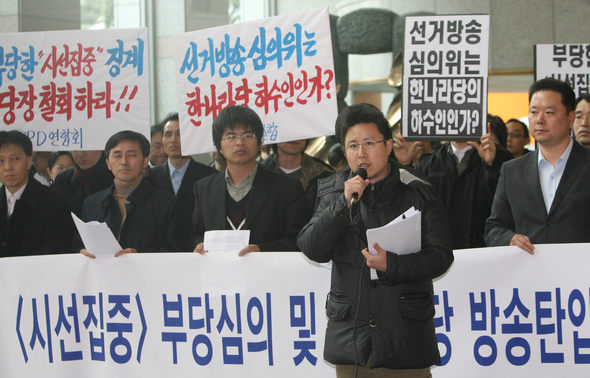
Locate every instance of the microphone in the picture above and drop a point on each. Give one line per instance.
(359, 172)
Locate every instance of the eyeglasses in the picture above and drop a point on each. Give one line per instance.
(233, 138)
(370, 145)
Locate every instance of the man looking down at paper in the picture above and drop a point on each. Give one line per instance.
(384, 325)
(247, 196)
(142, 217)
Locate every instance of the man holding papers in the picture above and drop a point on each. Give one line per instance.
(142, 217)
(385, 325)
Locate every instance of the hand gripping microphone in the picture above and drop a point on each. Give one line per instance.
(359, 172)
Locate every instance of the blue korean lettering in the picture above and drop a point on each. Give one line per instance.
(62, 321)
(97, 350)
(444, 321)
(121, 57)
(173, 318)
(299, 319)
(551, 328)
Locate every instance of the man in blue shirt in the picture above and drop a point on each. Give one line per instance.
(543, 197)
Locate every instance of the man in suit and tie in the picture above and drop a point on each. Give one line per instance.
(543, 197)
(34, 219)
(246, 195)
(178, 175)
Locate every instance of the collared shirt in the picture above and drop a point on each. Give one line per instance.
(237, 192)
(460, 154)
(176, 175)
(550, 177)
(12, 198)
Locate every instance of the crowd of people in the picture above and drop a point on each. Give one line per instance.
(471, 194)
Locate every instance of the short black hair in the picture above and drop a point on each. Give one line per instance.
(18, 138)
(498, 127)
(585, 97)
(55, 155)
(361, 113)
(170, 117)
(335, 155)
(568, 97)
(525, 129)
(117, 138)
(158, 128)
(236, 115)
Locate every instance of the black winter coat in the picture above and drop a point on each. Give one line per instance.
(152, 224)
(468, 196)
(41, 222)
(395, 314)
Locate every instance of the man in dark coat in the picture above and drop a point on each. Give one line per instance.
(383, 325)
(245, 195)
(141, 216)
(179, 173)
(34, 219)
(89, 175)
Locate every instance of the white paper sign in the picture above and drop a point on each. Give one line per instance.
(72, 90)
(565, 62)
(226, 241)
(281, 67)
(97, 237)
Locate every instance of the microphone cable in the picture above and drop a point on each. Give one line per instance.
(358, 302)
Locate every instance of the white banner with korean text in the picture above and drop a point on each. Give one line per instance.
(72, 90)
(565, 62)
(499, 312)
(163, 315)
(445, 79)
(281, 67)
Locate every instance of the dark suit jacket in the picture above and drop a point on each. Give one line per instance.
(277, 209)
(160, 177)
(150, 226)
(519, 207)
(40, 223)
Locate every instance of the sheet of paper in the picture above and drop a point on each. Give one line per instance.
(226, 241)
(97, 237)
(401, 236)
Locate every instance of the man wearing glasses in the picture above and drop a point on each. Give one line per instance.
(246, 196)
(384, 327)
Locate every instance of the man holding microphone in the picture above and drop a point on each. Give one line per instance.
(383, 326)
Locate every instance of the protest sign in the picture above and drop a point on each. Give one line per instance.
(565, 62)
(281, 67)
(445, 77)
(72, 90)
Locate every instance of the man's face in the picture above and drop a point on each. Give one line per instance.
(295, 147)
(171, 139)
(549, 121)
(157, 154)
(360, 155)
(14, 166)
(516, 139)
(126, 161)
(582, 123)
(86, 159)
(240, 150)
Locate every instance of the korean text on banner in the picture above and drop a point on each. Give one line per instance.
(281, 67)
(445, 77)
(163, 315)
(565, 62)
(71, 90)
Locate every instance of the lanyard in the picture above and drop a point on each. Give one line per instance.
(234, 227)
